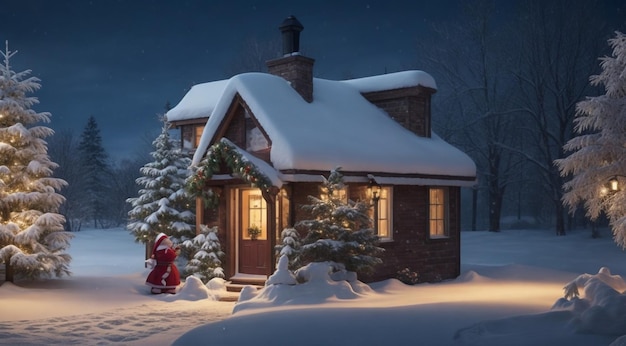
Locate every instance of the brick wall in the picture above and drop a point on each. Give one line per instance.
(297, 70)
(236, 131)
(410, 107)
(433, 259)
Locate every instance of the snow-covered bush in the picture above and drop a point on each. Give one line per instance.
(408, 276)
(290, 247)
(204, 252)
(602, 307)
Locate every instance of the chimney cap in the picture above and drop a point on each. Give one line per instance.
(290, 29)
(291, 23)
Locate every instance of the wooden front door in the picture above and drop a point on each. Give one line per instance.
(254, 246)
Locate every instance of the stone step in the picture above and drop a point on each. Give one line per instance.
(233, 289)
(237, 287)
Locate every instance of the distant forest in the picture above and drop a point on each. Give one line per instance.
(508, 84)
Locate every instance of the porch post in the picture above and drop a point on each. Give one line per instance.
(199, 214)
(270, 199)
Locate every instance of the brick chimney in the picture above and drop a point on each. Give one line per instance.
(295, 68)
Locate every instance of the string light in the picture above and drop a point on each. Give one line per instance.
(224, 151)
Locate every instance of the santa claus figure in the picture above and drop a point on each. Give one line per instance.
(164, 277)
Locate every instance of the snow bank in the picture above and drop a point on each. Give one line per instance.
(320, 285)
(603, 308)
(601, 311)
(192, 290)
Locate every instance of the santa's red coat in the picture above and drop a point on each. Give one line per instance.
(165, 274)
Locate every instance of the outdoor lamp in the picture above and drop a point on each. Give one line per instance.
(613, 184)
(374, 190)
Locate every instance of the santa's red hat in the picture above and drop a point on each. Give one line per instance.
(157, 241)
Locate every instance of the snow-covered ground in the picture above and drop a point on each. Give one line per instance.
(509, 284)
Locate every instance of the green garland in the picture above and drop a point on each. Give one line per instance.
(223, 151)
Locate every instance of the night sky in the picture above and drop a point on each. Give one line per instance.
(122, 60)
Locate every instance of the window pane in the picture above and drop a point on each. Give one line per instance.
(437, 209)
(384, 213)
(254, 215)
(384, 209)
(383, 229)
(198, 133)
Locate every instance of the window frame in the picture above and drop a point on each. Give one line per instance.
(197, 134)
(389, 212)
(247, 211)
(444, 219)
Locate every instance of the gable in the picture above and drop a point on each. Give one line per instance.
(242, 128)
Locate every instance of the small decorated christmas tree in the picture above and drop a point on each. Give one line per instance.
(290, 247)
(340, 231)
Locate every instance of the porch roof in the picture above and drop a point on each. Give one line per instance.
(264, 167)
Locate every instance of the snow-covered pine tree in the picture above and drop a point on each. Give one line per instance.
(205, 253)
(32, 236)
(340, 232)
(95, 168)
(598, 153)
(163, 204)
(290, 246)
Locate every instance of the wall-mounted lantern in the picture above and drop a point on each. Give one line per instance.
(373, 190)
(613, 184)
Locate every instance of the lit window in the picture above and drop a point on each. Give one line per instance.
(384, 213)
(438, 212)
(197, 135)
(254, 218)
(339, 194)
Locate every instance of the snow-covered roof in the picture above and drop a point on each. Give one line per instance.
(201, 99)
(392, 81)
(339, 128)
(198, 102)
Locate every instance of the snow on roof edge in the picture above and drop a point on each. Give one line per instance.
(302, 178)
(267, 89)
(390, 81)
(198, 102)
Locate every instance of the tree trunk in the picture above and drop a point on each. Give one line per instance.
(8, 271)
(495, 210)
(560, 222)
(474, 207)
(495, 206)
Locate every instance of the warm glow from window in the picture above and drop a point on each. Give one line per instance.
(384, 213)
(254, 214)
(340, 194)
(197, 135)
(438, 200)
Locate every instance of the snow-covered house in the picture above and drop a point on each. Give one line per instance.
(272, 136)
